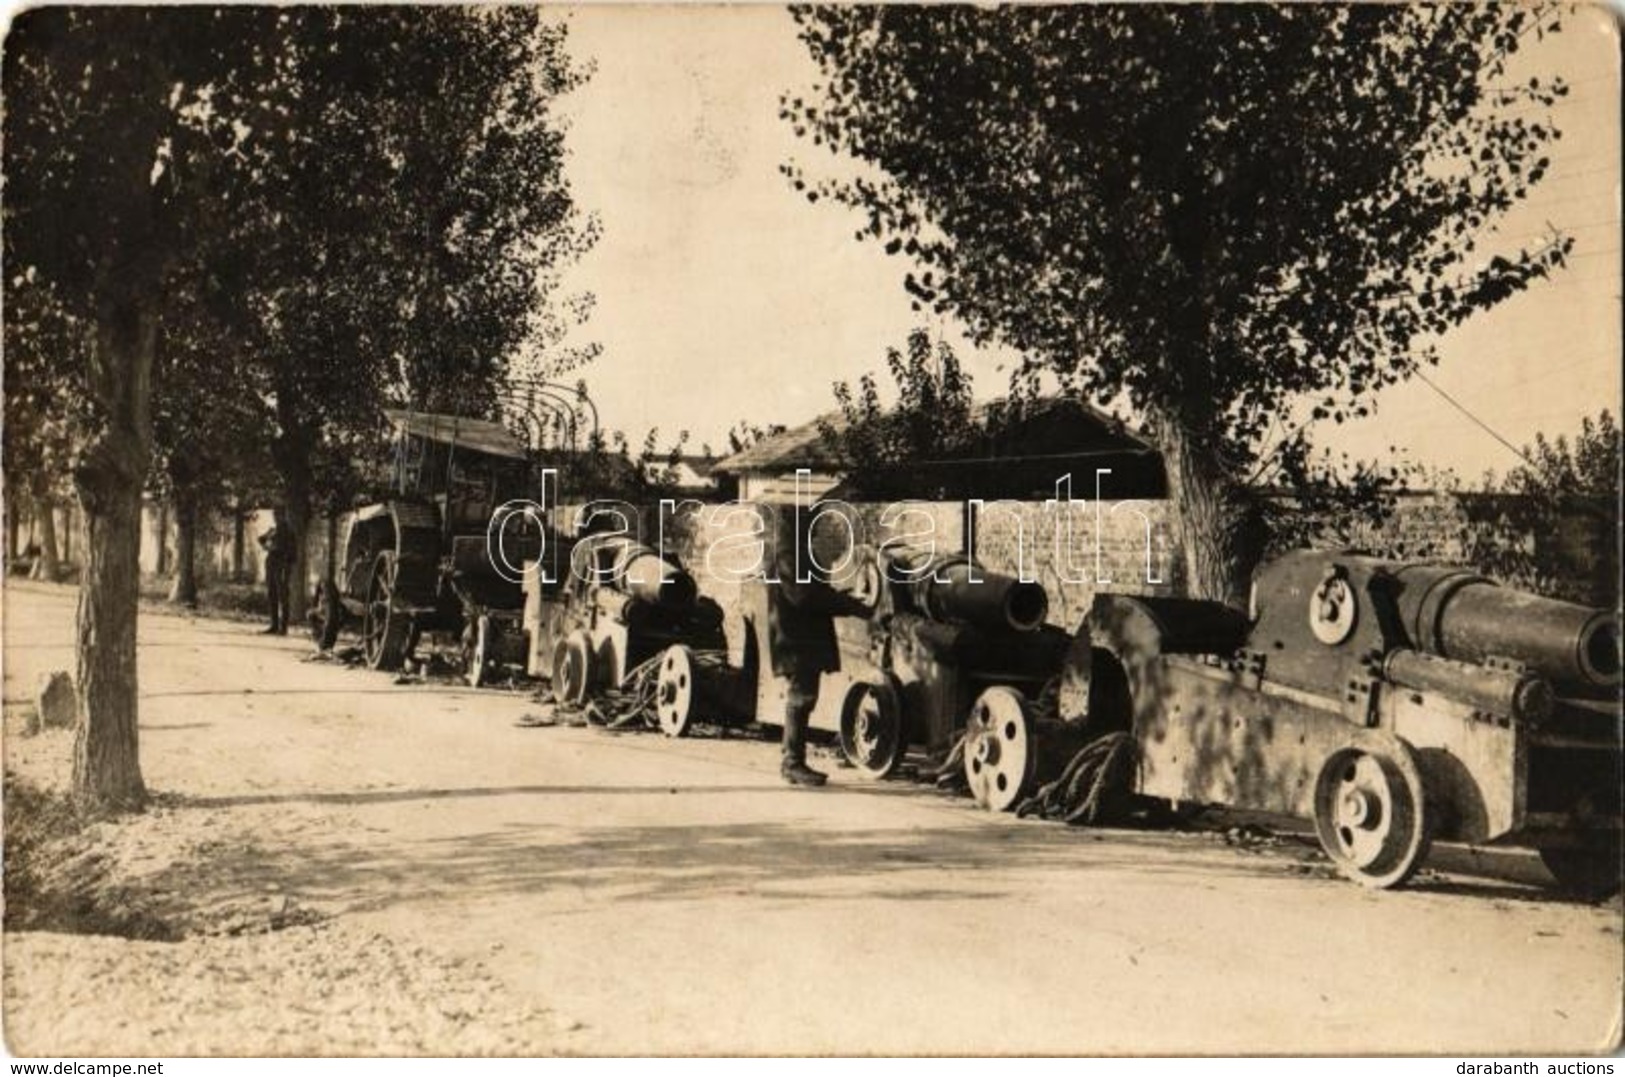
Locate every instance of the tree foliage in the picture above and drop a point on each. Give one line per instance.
(1559, 531)
(744, 433)
(1209, 212)
(877, 448)
(40, 414)
(111, 126)
(1586, 466)
(238, 224)
(405, 218)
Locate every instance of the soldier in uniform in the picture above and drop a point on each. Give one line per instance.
(801, 639)
(278, 546)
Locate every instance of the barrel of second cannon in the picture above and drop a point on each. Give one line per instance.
(647, 577)
(958, 590)
(633, 569)
(1465, 617)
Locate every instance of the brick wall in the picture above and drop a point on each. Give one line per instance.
(717, 544)
(1125, 547)
(1567, 547)
(1575, 557)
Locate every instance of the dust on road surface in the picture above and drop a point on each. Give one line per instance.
(565, 890)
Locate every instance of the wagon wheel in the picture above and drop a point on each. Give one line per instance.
(1371, 811)
(477, 665)
(326, 616)
(572, 669)
(675, 691)
(872, 734)
(1001, 751)
(385, 630)
(1589, 871)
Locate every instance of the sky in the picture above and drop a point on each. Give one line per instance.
(724, 296)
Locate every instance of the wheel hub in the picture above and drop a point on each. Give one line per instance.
(1359, 808)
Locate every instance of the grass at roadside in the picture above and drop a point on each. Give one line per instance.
(55, 880)
(222, 599)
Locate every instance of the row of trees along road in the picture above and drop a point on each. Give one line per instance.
(1205, 212)
(233, 235)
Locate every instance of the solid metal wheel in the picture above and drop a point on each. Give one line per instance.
(326, 616)
(872, 734)
(675, 691)
(1001, 756)
(572, 669)
(385, 631)
(1371, 811)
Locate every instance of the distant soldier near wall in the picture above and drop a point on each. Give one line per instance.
(278, 546)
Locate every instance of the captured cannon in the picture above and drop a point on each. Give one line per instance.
(944, 641)
(618, 606)
(1391, 703)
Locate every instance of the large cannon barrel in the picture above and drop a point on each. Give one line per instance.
(633, 569)
(1458, 615)
(648, 577)
(957, 589)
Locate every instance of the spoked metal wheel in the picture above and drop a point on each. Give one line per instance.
(385, 631)
(1001, 751)
(572, 669)
(477, 651)
(676, 691)
(872, 734)
(1371, 811)
(326, 616)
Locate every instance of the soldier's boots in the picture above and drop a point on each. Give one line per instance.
(802, 774)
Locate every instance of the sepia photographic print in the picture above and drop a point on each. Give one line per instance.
(740, 530)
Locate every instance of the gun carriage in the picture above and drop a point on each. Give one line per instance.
(942, 634)
(619, 606)
(1390, 703)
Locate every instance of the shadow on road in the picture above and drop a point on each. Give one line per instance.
(390, 796)
(774, 859)
(689, 861)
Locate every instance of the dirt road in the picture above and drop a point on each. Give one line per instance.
(673, 897)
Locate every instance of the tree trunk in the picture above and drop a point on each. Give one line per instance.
(184, 592)
(1220, 535)
(109, 477)
(238, 524)
(163, 536)
(330, 564)
(299, 571)
(291, 453)
(12, 549)
(49, 566)
(67, 532)
(106, 760)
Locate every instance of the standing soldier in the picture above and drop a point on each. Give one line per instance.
(801, 638)
(278, 546)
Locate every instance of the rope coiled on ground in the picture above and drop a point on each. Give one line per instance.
(1095, 788)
